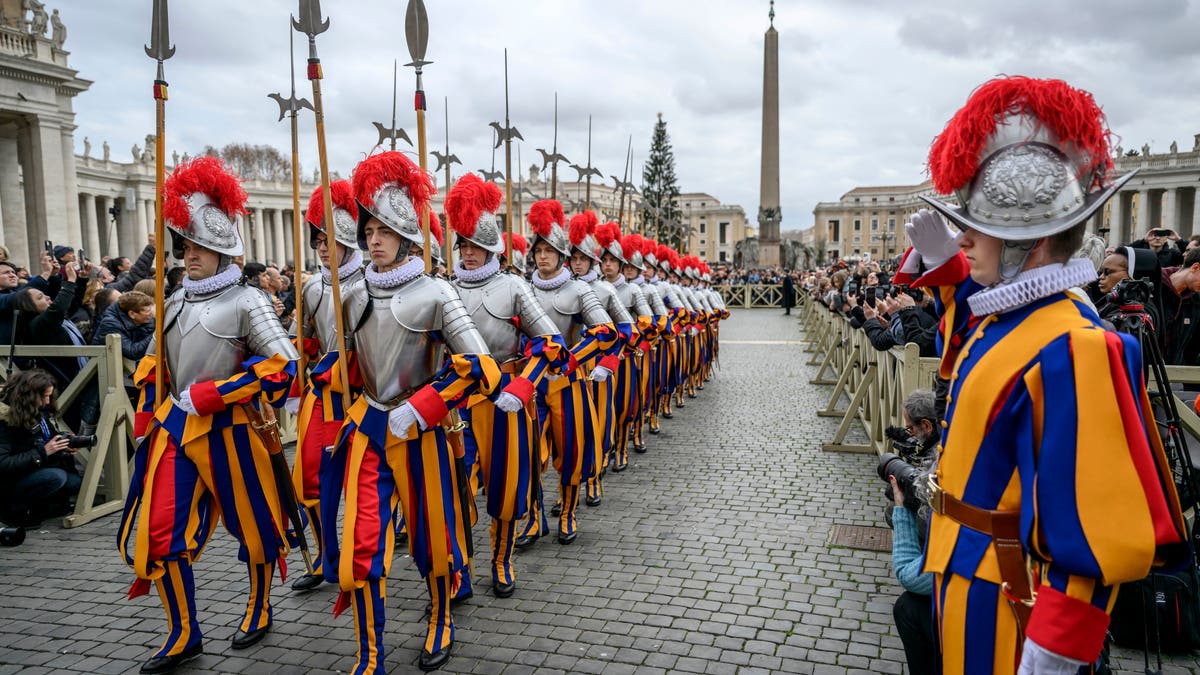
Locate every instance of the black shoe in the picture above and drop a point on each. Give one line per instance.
(503, 590)
(556, 510)
(592, 501)
(402, 539)
(620, 467)
(165, 664)
(667, 416)
(308, 582)
(565, 539)
(242, 639)
(653, 432)
(640, 449)
(527, 540)
(428, 662)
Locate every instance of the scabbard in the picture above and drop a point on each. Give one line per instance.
(268, 432)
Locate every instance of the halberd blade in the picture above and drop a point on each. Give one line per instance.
(416, 30)
(160, 47)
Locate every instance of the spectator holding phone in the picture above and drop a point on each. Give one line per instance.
(1164, 242)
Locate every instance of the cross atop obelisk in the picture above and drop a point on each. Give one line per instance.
(769, 214)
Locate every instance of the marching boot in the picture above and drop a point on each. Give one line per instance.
(257, 622)
(439, 641)
(567, 528)
(369, 619)
(622, 459)
(177, 590)
(536, 525)
(654, 428)
(401, 529)
(504, 581)
(310, 581)
(594, 492)
(465, 590)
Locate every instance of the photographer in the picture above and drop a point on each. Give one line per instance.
(38, 478)
(1165, 243)
(907, 475)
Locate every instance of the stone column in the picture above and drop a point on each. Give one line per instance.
(109, 231)
(12, 202)
(71, 187)
(149, 224)
(1116, 219)
(263, 251)
(45, 183)
(1170, 210)
(277, 229)
(769, 213)
(1143, 214)
(91, 235)
(1196, 211)
(289, 239)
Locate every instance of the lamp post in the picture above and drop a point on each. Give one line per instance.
(884, 238)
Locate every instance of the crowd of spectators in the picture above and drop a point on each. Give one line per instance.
(70, 300)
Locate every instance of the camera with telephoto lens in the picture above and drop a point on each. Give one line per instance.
(81, 441)
(905, 444)
(906, 475)
(1131, 291)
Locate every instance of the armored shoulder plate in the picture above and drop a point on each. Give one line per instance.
(607, 294)
(417, 304)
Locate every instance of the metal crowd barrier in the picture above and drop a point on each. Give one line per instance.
(108, 464)
(877, 382)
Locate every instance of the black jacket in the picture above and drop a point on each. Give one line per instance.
(47, 329)
(915, 325)
(21, 453)
(1180, 317)
(143, 268)
(135, 339)
(1170, 255)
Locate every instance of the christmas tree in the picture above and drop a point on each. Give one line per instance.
(660, 206)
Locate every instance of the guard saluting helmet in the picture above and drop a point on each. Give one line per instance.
(1027, 159)
(201, 203)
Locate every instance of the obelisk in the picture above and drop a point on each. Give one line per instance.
(769, 214)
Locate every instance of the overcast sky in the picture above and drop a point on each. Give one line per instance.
(864, 85)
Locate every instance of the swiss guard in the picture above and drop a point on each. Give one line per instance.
(393, 450)
(501, 435)
(1052, 486)
(202, 456)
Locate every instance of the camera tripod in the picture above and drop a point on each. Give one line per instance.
(1132, 319)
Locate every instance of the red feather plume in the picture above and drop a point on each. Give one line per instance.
(468, 199)
(520, 244)
(436, 230)
(343, 198)
(649, 247)
(582, 224)
(631, 243)
(544, 214)
(664, 252)
(202, 174)
(388, 167)
(607, 233)
(1071, 114)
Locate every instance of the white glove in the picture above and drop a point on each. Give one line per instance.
(694, 330)
(184, 402)
(932, 238)
(912, 263)
(401, 420)
(508, 402)
(1037, 660)
(599, 374)
(292, 405)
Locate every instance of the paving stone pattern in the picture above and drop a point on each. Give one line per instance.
(709, 555)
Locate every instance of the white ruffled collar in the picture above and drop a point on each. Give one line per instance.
(619, 282)
(401, 275)
(639, 280)
(476, 275)
(1032, 285)
(217, 282)
(563, 276)
(589, 277)
(347, 268)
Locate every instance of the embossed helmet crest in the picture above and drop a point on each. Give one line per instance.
(1026, 159)
(201, 203)
(390, 187)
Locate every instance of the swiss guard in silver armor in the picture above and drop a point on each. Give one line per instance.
(200, 458)
(585, 261)
(632, 269)
(394, 449)
(517, 254)
(566, 412)
(501, 435)
(319, 408)
(660, 350)
(689, 273)
(627, 390)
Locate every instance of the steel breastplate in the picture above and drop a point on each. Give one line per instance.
(607, 294)
(395, 345)
(561, 308)
(318, 306)
(203, 340)
(492, 306)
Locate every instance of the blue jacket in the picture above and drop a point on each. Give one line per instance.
(906, 553)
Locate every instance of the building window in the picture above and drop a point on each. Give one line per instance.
(702, 242)
(701, 204)
(722, 258)
(857, 224)
(855, 251)
(724, 231)
(891, 223)
(835, 230)
(874, 223)
(702, 227)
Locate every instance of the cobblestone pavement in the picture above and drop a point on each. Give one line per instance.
(709, 555)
